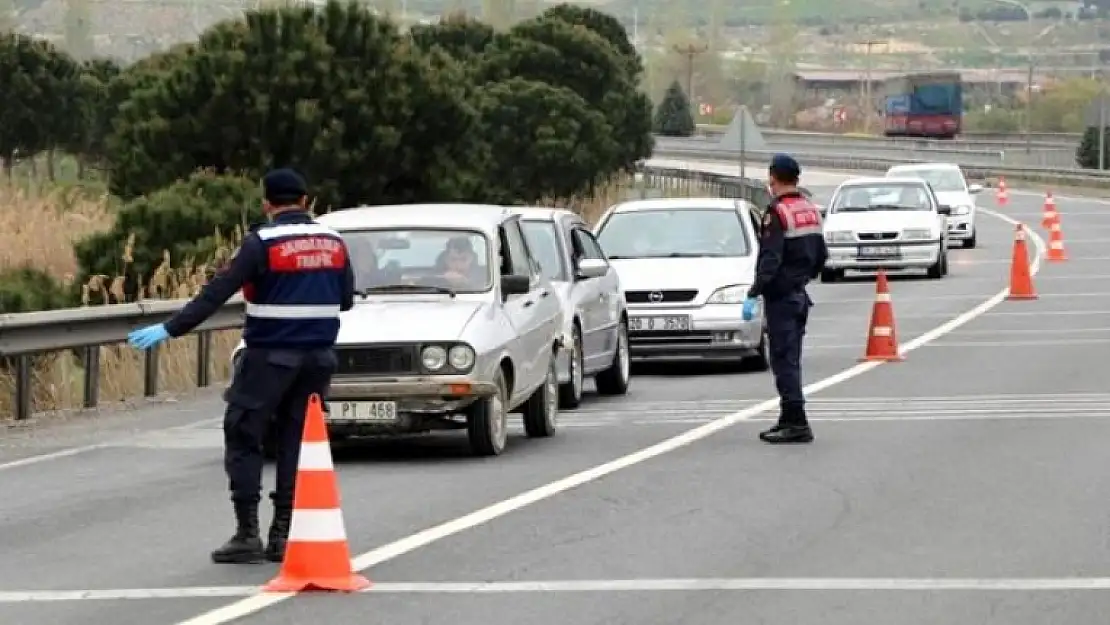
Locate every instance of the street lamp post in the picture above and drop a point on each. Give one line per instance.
(1029, 76)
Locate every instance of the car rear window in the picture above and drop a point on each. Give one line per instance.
(667, 233)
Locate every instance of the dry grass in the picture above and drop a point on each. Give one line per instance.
(39, 227)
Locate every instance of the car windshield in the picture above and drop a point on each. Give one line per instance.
(420, 259)
(881, 197)
(943, 180)
(543, 240)
(674, 233)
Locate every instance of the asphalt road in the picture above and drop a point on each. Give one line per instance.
(963, 485)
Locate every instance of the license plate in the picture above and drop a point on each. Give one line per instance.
(878, 251)
(659, 324)
(363, 411)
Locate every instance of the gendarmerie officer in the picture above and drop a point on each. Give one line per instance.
(296, 277)
(792, 252)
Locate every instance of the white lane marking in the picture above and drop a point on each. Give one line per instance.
(1036, 331)
(256, 603)
(968, 296)
(597, 585)
(1013, 313)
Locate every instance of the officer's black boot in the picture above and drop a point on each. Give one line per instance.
(793, 427)
(245, 547)
(279, 532)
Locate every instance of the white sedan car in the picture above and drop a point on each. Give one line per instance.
(952, 189)
(889, 223)
(686, 265)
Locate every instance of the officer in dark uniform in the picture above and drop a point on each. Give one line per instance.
(296, 277)
(792, 252)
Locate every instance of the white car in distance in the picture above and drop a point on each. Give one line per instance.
(885, 223)
(952, 189)
(686, 265)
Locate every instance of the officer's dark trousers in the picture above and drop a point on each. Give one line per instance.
(786, 326)
(270, 389)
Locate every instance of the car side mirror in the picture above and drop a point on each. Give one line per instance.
(590, 268)
(515, 284)
(974, 188)
(944, 210)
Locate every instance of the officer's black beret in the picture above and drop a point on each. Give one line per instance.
(284, 184)
(785, 165)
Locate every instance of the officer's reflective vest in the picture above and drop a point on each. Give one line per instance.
(295, 303)
(799, 217)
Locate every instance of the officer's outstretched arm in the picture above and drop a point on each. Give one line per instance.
(244, 267)
(770, 253)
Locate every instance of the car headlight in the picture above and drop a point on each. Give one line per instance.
(461, 357)
(734, 294)
(433, 357)
(961, 210)
(917, 234)
(839, 236)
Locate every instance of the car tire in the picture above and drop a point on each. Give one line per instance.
(970, 242)
(487, 421)
(570, 394)
(541, 411)
(938, 269)
(615, 379)
(831, 275)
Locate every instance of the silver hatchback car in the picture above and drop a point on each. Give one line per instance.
(595, 317)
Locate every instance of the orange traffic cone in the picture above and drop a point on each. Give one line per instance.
(1003, 198)
(317, 556)
(1050, 214)
(882, 341)
(1056, 251)
(1021, 280)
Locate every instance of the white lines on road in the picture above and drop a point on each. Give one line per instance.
(925, 299)
(903, 584)
(258, 602)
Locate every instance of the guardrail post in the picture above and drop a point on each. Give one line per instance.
(23, 386)
(150, 372)
(204, 351)
(91, 362)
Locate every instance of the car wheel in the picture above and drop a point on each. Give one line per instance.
(541, 411)
(615, 379)
(487, 421)
(570, 394)
(937, 270)
(971, 241)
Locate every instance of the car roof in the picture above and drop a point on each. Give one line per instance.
(483, 217)
(542, 213)
(923, 166)
(878, 181)
(673, 203)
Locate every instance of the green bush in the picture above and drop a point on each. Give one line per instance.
(1086, 155)
(26, 289)
(187, 220)
(673, 117)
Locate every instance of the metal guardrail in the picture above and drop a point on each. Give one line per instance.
(86, 329)
(1005, 138)
(1055, 176)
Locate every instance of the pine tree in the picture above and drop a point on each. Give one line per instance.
(673, 117)
(1086, 155)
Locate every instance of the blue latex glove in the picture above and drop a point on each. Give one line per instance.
(749, 308)
(145, 338)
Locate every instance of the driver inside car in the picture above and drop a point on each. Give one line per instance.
(458, 265)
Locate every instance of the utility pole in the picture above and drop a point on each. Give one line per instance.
(868, 104)
(783, 52)
(690, 51)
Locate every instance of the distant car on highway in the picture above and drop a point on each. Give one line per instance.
(454, 327)
(890, 223)
(952, 189)
(595, 317)
(686, 265)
